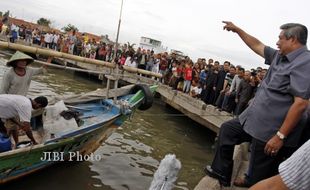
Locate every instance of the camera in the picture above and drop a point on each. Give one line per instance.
(253, 73)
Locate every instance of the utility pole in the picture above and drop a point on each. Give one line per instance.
(118, 28)
(116, 70)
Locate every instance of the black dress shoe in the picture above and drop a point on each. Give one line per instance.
(222, 179)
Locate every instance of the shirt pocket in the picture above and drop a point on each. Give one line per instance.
(279, 82)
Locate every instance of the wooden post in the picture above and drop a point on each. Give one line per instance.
(108, 87)
(116, 81)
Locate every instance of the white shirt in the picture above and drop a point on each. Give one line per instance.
(155, 67)
(295, 171)
(197, 90)
(235, 83)
(15, 106)
(48, 38)
(55, 38)
(130, 63)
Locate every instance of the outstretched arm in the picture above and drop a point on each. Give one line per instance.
(253, 43)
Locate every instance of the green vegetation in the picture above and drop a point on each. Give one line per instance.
(44, 22)
(69, 28)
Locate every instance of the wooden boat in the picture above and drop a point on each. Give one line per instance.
(98, 119)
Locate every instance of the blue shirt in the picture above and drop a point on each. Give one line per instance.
(287, 77)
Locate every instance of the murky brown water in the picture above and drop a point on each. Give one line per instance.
(132, 154)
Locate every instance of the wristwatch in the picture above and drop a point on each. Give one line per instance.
(280, 135)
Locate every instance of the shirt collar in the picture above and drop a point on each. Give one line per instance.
(292, 55)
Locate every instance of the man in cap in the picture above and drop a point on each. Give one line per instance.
(17, 106)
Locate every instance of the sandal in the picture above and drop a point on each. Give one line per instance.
(241, 182)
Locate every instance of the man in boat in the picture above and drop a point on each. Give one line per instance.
(17, 106)
(273, 120)
(18, 78)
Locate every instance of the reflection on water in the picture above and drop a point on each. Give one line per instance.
(132, 154)
(141, 143)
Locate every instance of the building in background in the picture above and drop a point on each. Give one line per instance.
(179, 54)
(152, 44)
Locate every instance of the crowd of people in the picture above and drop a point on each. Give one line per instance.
(225, 86)
(67, 42)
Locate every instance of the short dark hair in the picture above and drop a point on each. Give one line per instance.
(232, 67)
(299, 31)
(226, 62)
(42, 100)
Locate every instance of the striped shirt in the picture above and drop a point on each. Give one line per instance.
(295, 171)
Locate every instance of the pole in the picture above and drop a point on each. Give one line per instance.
(116, 47)
(118, 28)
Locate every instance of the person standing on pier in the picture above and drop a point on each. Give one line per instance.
(17, 81)
(273, 122)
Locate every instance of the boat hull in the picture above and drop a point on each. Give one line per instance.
(31, 159)
(84, 141)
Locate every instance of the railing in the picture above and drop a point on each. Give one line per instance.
(52, 53)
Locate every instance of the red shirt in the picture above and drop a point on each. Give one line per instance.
(179, 71)
(188, 73)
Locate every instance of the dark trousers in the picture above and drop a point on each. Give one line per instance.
(219, 100)
(261, 165)
(240, 107)
(231, 134)
(216, 95)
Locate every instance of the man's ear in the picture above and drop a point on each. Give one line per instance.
(294, 40)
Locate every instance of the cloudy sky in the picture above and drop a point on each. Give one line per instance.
(191, 26)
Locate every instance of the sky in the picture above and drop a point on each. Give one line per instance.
(192, 26)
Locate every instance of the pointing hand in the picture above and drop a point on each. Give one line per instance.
(229, 26)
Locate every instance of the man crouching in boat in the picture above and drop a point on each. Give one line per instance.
(17, 106)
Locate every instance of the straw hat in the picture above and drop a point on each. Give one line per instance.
(19, 56)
